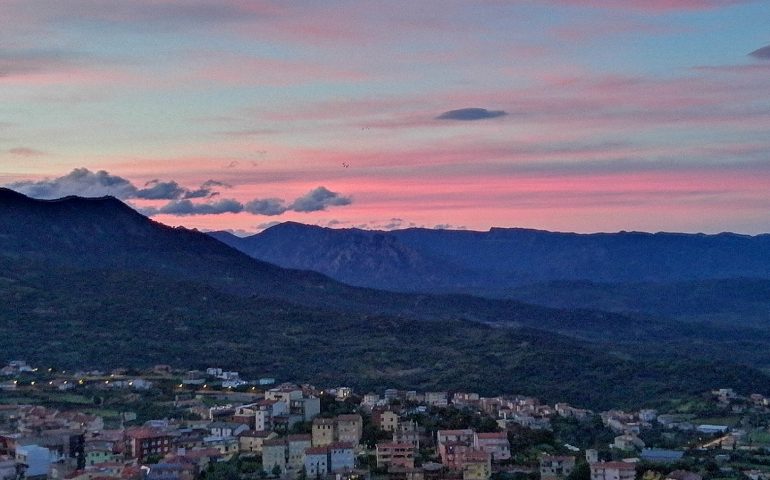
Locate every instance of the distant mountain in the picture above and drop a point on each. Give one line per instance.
(490, 263)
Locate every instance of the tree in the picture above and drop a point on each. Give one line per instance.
(582, 471)
(276, 470)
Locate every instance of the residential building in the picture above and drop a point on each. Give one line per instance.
(323, 432)
(37, 460)
(395, 454)
(613, 471)
(349, 428)
(385, 420)
(251, 441)
(437, 399)
(143, 442)
(556, 467)
(494, 443)
(477, 466)
(627, 441)
(227, 429)
(337, 457)
(407, 432)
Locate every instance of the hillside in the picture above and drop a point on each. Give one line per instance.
(100, 318)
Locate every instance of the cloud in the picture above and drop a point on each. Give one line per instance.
(206, 189)
(85, 183)
(319, 199)
(79, 181)
(157, 190)
(467, 114)
(761, 53)
(267, 206)
(186, 207)
(25, 152)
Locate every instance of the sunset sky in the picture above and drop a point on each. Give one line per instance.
(572, 115)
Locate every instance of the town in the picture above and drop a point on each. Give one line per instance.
(169, 424)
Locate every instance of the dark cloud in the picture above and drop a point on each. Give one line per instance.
(186, 207)
(315, 200)
(85, 183)
(319, 199)
(157, 190)
(267, 206)
(80, 181)
(206, 190)
(215, 183)
(761, 53)
(25, 152)
(467, 114)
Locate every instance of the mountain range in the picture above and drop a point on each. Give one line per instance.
(495, 262)
(92, 282)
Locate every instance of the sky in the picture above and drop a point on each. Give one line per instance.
(569, 115)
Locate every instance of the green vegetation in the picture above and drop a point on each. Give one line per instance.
(110, 319)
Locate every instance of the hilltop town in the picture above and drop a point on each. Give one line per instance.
(167, 424)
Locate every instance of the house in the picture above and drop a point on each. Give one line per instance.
(613, 471)
(344, 428)
(436, 399)
(385, 420)
(627, 441)
(251, 441)
(227, 429)
(452, 445)
(334, 458)
(407, 432)
(556, 467)
(287, 453)
(274, 453)
(349, 428)
(370, 400)
(323, 432)
(36, 460)
(494, 443)
(395, 454)
(477, 466)
(143, 442)
(316, 461)
(296, 446)
(267, 410)
(344, 393)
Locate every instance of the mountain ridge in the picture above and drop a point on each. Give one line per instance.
(490, 263)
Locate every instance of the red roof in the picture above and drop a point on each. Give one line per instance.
(316, 451)
(144, 432)
(493, 435)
